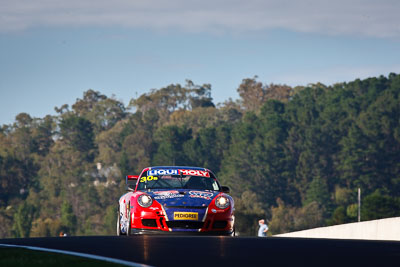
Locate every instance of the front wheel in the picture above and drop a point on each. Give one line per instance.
(119, 222)
(128, 227)
(234, 231)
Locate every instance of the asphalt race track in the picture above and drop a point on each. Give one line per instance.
(226, 251)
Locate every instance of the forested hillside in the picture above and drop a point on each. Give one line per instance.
(294, 156)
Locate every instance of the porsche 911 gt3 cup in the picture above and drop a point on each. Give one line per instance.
(175, 199)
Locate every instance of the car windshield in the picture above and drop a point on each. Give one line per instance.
(179, 181)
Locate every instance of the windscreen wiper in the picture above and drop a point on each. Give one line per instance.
(181, 179)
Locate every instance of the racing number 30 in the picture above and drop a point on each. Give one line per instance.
(148, 178)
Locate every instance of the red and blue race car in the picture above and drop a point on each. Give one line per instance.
(175, 199)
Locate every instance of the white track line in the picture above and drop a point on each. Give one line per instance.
(90, 256)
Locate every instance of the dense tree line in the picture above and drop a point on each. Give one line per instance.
(295, 156)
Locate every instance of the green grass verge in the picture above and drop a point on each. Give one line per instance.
(25, 257)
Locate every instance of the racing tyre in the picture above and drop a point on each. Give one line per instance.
(119, 223)
(128, 227)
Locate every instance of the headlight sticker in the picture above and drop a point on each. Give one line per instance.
(200, 194)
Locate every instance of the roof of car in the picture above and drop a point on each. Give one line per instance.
(178, 167)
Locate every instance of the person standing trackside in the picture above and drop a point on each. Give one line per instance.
(262, 231)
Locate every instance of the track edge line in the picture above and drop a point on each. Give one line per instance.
(78, 254)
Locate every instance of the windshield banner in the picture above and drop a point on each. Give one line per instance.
(195, 173)
(163, 172)
(177, 172)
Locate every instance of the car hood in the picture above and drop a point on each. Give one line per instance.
(183, 198)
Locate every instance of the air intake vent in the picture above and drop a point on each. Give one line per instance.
(219, 224)
(149, 222)
(184, 224)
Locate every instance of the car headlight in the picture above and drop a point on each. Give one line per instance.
(222, 202)
(145, 201)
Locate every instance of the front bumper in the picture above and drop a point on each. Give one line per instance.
(221, 223)
(160, 232)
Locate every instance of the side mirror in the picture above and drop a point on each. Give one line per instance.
(131, 182)
(225, 189)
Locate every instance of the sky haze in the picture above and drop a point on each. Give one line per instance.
(52, 51)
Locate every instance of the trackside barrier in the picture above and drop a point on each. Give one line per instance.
(384, 229)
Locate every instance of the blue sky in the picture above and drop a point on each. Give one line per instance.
(53, 51)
